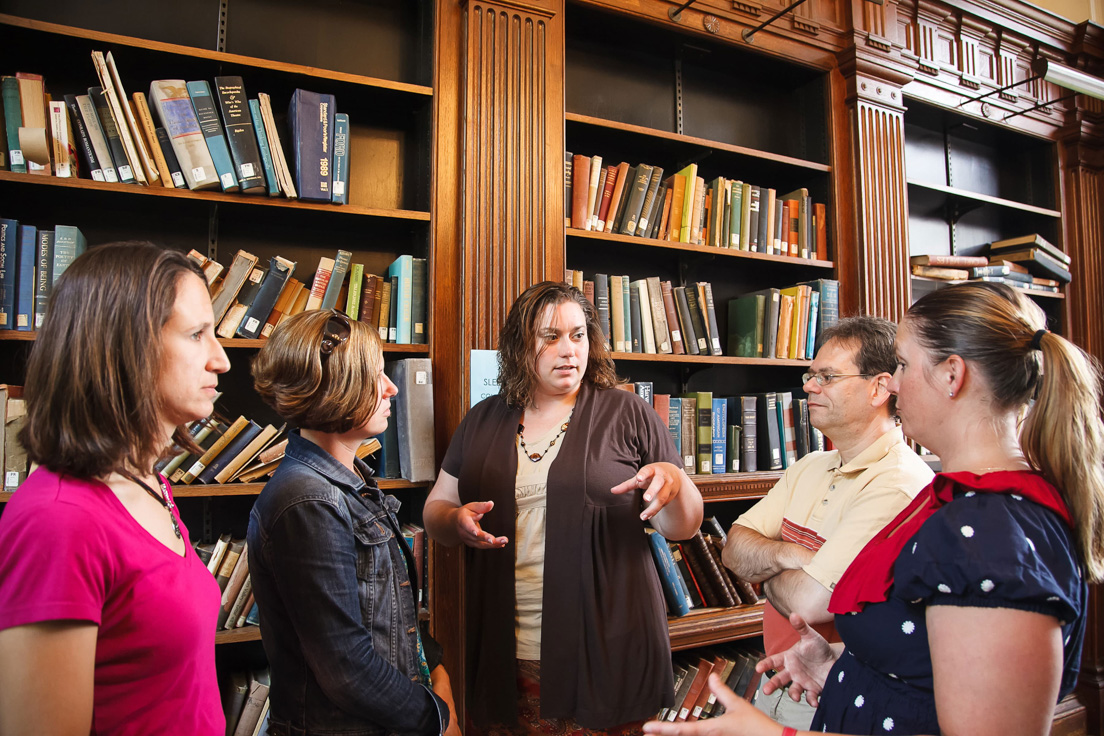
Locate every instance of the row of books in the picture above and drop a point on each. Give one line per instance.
(229, 450)
(222, 139)
(228, 560)
(654, 317)
(245, 702)
(13, 458)
(769, 430)
(733, 663)
(1028, 262)
(31, 261)
(692, 574)
(684, 207)
(250, 299)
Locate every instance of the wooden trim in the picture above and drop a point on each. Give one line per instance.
(715, 626)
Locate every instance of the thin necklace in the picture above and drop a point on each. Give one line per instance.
(163, 498)
(536, 457)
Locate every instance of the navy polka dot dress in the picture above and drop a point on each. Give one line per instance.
(993, 550)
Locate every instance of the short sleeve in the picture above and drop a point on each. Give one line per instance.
(657, 444)
(766, 515)
(53, 564)
(993, 550)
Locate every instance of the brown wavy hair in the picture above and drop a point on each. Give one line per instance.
(289, 375)
(517, 359)
(90, 410)
(1062, 435)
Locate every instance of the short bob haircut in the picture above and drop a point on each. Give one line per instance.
(90, 410)
(334, 395)
(517, 340)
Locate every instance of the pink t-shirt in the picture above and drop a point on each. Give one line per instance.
(70, 550)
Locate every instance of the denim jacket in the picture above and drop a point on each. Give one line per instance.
(331, 577)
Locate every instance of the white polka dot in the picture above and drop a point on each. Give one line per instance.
(969, 494)
(914, 547)
(915, 601)
(895, 677)
(987, 585)
(859, 701)
(887, 724)
(1018, 498)
(944, 588)
(1067, 640)
(840, 678)
(908, 627)
(1053, 598)
(1030, 543)
(967, 531)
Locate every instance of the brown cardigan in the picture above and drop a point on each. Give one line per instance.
(605, 647)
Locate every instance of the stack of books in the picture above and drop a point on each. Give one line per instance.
(1029, 263)
(209, 137)
(686, 208)
(31, 261)
(733, 663)
(692, 573)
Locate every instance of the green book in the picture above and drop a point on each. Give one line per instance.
(13, 118)
(356, 279)
(691, 174)
(745, 326)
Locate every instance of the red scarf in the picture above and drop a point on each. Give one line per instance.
(870, 575)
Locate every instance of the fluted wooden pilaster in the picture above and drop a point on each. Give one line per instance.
(512, 154)
(1085, 195)
(877, 120)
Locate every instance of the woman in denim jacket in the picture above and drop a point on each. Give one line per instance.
(331, 574)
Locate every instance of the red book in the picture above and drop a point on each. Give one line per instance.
(580, 175)
(607, 197)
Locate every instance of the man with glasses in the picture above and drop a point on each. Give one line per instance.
(800, 538)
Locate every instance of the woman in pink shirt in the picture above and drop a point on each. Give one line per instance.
(107, 616)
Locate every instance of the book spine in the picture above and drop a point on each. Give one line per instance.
(204, 105)
(9, 239)
(337, 278)
(13, 119)
(27, 250)
(84, 143)
(321, 283)
(689, 334)
(403, 270)
(111, 133)
(254, 320)
(720, 435)
(43, 281)
(174, 107)
(677, 601)
(341, 159)
(671, 314)
(149, 132)
(310, 119)
(356, 283)
(176, 176)
(419, 301)
(635, 202)
(263, 146)
(240, 137)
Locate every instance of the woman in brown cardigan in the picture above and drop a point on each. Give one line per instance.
(549, 483)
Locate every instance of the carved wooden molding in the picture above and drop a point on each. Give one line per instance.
(748, 6)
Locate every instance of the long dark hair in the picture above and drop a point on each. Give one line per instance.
(517, 367)
(91, 404)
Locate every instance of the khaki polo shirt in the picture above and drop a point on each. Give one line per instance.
(836, 509)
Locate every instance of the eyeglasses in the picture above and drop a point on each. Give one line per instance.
(823, 379)
(336, 331)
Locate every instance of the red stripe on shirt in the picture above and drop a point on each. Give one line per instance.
(796, 534)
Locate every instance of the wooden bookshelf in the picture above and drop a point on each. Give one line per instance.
(234, 636)
(237, 342)
(707, 626)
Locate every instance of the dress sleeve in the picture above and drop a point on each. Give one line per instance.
(54, 564)
(992, 550)
(656, 443)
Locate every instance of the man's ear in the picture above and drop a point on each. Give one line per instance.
(879, 393)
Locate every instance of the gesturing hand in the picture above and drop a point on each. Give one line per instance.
(740, 718)
(466, 519)
(804, 666)
(661, 483)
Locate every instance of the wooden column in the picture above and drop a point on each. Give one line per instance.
(498, 214)
(880, 268)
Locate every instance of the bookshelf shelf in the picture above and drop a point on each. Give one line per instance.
(939, 196)
(16, 335)
(216, 56)
(708, 359)
(715, 626)
(252, 489)
(218, 197)
(735, 486)
(693, 141)
(241, 342)
(233, 636)
(687, 247)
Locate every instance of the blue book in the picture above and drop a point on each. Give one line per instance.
(254, 616)
(403, 269)
(311, 124)
(27, 251)
(9, 234)
(341, 159)
(674, 423)
(810, 338)
(43, 282)
(720, 435)
(266, 151)
(211, 127)
(69, 243)
(674, 588)
(337, 278)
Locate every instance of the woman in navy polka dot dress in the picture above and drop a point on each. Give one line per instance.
(966, 614)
